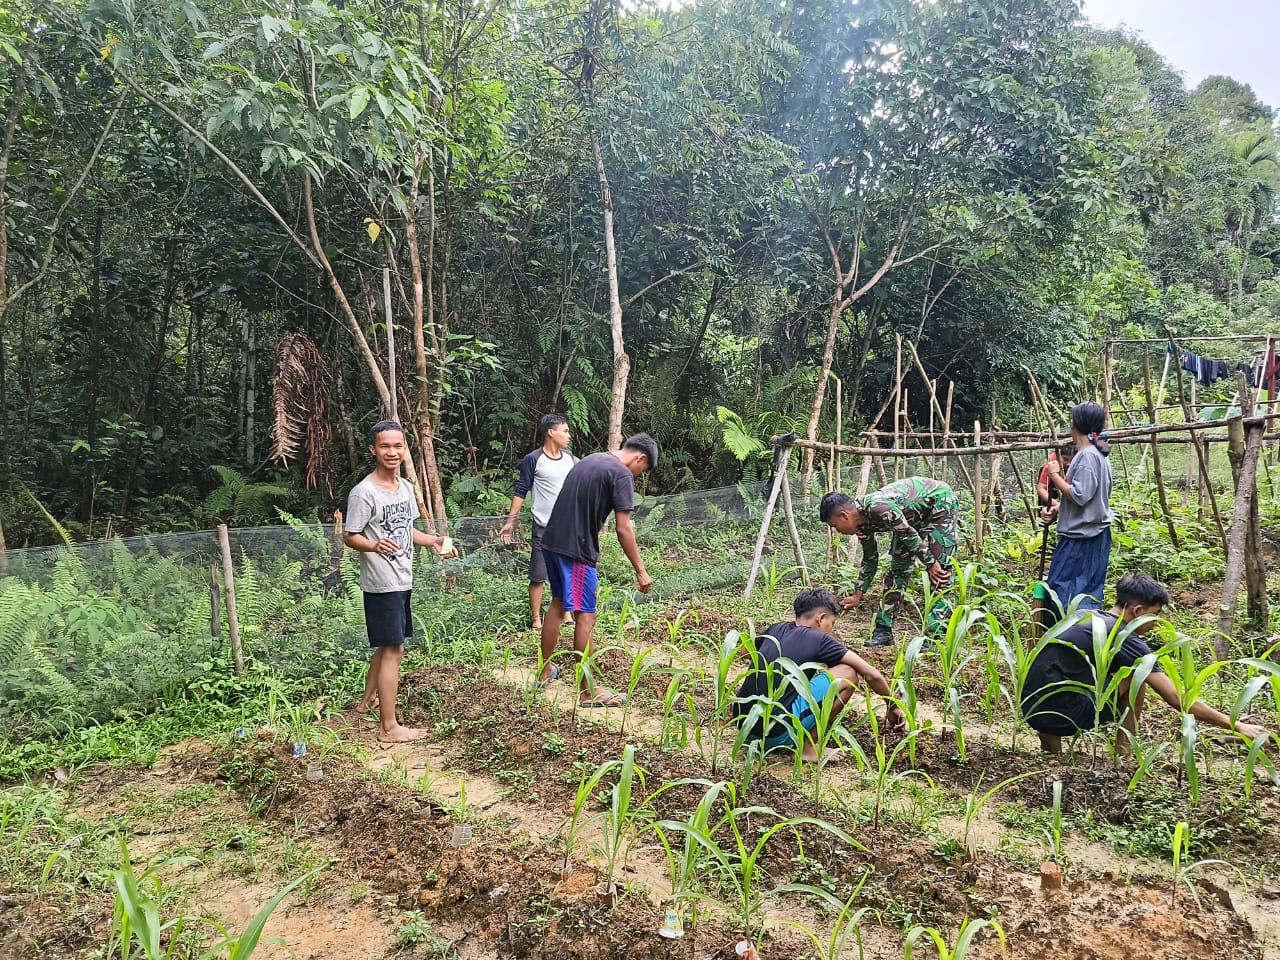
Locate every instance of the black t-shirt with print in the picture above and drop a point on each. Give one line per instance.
(597, 486)
(798, 644)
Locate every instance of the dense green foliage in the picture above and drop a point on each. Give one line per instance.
(187, 188)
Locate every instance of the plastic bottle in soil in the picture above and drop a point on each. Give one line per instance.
(315, 772)
(672, 925)
(299, 749)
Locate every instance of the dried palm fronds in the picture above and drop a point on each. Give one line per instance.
(300, 393)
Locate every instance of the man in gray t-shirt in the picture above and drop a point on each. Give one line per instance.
(379, 524)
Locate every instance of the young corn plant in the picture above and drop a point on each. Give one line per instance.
(886, 759)
(827, 729)
(964, 939)
(645, 661)
(136, 925)
(684, 856)
(739, 863)
(1179, 662)
(679, 708)
(1053, 833)
(724, 690)
(1180, 849)
(954, 654)
(624, 816)
(974, 802)
(588, 783)
(847, 925)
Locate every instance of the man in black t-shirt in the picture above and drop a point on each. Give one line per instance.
(1059, 695)
(598, 485)
(810, 644)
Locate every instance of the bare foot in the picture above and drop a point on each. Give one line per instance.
(537, 625)
(1050, 743)
(830, 755)
(399, 734)
(366, 708)
(568, 618)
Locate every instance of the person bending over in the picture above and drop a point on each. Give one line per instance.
(810, 643)
(598, 485)
(1058, 697)
(920, 515)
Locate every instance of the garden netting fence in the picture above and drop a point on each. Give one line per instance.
(92, 630)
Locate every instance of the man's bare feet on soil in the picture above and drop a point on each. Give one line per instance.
(366, 708)
(537, 625)
(1050, 743)
(399, 734)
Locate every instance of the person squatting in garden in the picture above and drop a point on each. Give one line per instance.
(1083, 551)
(598, 485)
(379, 525)
(920, 515)
(810, 644)
(542, 473)
(1059, 697)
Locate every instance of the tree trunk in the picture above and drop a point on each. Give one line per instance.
(250, 389)
(838, 306)
(93, 353)
(621, 362)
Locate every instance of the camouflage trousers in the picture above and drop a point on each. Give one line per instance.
(942, 542)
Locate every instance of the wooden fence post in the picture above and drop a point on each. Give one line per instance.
(977, 488)
(229, 585)
(1246, 493)
(1155, 454)
(779, 479)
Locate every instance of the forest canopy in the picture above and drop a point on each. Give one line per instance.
(684, 220)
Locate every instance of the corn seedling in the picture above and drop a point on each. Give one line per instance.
(645, 661)
(136, 926)
(739, 863)
(975, 801)
(240, 946)
(964, 939)
(679, 708)
(1178, 660)
(724, 690)
(886, 759)
(623, 816)
(847, 923)
(1053, 834)
(683, 858)
(587, 786)
(953, 657)
(1180, 849)
(825, 711)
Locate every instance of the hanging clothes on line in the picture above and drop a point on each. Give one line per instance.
(1205, 371)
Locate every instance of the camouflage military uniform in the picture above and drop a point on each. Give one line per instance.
(920, 514)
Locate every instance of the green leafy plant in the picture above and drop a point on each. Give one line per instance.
(964, 939)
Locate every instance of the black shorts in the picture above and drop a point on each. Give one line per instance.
(537, 564)
(387, 618)
(1064, 714)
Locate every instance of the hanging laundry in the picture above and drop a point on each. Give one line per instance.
(1205, 371)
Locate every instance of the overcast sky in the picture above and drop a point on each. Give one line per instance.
(1237, 38)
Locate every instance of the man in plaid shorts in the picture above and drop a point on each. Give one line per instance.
(919, 513)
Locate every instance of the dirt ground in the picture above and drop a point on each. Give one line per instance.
(397, 881)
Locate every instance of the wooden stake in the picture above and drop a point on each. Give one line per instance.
(1155, 455)
(1106, 382)
(229, 586)
(780, 479)
(790, 513)
(946, 429)
(215, 612)
(1199, 448)
(933, 405)
(897, 402)
(1245, 494)
(977, 489)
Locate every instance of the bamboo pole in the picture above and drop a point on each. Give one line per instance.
(215, 611)
(946, 430)
(934, 406)
(229, 586)
(1155, 455)
(977, 488)
(897, 400)
(932, 387)
(1199, 449)
(779, 480)
(1106, 384)
(790, 514)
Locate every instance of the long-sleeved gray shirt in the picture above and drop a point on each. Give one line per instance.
(1086, 510)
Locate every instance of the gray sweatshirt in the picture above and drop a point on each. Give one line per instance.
(1086, 510)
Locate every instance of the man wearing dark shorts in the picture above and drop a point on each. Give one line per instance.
(598, 485)
(810, 643)
(542, 473)
(379, 524)
(1059, 697)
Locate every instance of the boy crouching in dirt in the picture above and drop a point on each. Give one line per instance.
(1058, 698)
(810, 643)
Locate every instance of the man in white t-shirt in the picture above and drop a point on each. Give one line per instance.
(379, 524)
(542, 473)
